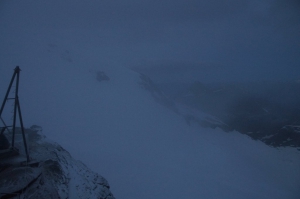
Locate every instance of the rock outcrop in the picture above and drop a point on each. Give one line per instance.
(51, 173)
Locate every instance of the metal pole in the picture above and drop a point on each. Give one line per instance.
(17, 110)
(17, 69)
(22, 128)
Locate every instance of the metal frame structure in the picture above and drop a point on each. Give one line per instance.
(16, 111)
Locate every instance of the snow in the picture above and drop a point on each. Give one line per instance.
(51, 173)
(117, 129)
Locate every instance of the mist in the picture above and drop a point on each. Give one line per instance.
(246, 40)
(199, 93)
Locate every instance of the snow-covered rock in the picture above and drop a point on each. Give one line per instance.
(51, 173)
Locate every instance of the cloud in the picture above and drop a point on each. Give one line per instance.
(256, 33)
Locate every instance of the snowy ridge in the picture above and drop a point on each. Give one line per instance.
(190, 115)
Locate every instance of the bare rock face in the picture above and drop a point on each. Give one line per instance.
(51, 173)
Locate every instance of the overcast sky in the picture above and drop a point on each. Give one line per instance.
(254, 38)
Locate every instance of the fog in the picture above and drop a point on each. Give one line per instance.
(234, 62)
(225, 40)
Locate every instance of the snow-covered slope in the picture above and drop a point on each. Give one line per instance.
(143, 148)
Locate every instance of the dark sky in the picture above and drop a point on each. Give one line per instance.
(244, 39)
